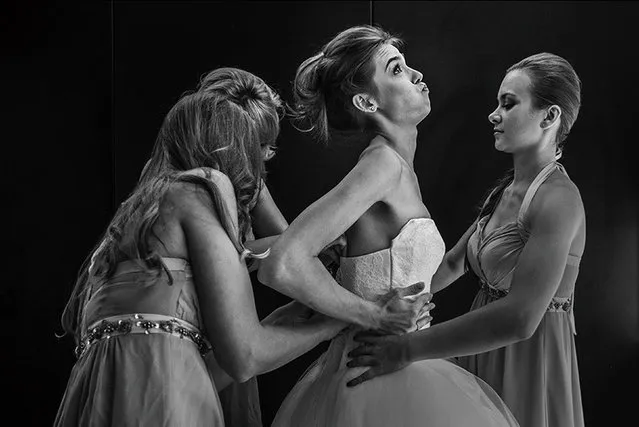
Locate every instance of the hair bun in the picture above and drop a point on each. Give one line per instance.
(247, 93)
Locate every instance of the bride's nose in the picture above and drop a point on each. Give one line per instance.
(417, 78)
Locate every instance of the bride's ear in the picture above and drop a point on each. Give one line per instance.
(364, 103)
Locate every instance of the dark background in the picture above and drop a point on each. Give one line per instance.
(86, 89)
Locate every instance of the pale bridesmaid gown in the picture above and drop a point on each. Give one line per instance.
(537, 378)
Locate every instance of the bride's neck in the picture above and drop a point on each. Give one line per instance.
(402, 139)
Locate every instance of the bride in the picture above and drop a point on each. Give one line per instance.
(360, 81)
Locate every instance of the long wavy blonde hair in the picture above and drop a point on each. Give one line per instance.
(226, 124)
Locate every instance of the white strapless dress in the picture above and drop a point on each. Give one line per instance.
(432, 393)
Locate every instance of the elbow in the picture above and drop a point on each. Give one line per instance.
(272, 269)
(277, 271)
(523, 327)
(244, 375)
(241, 369)
(283, 271)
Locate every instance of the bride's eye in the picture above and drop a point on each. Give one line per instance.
(397, 69)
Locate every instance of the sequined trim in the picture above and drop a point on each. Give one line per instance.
(493, 292)
(556, 304)
(141, 324)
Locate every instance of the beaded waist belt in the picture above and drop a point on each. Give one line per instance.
(556, 304)
(141, 324)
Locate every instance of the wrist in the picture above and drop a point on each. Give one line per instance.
(406, 348)
(334, 328)
(372, 317)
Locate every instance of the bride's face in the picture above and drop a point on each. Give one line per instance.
(401, 95)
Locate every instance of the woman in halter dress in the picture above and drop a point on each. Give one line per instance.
(166, 295)
(525, 248)
(360, 81)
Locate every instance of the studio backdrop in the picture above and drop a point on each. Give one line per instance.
(92, 86)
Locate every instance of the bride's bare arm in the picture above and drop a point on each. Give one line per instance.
(242, 345)
(293, 267)
(268, 223)
(290, 314)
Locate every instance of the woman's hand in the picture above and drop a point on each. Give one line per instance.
(382, 353)
(401, 314)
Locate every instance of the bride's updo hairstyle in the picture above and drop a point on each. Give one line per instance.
(326, 82)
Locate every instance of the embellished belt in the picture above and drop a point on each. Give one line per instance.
(141, 324)
(556, 304)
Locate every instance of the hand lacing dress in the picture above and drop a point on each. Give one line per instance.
(538, 378)
(433, 393)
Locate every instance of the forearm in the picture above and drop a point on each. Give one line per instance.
(445, 275)
(267, 218)
(453, 266)
(488, 328)
(307, 281)
(282, 343)
(291, 315)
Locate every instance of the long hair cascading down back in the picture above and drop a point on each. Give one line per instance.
(225, 125)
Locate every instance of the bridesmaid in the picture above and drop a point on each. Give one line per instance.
(168, 287)
(525, 248)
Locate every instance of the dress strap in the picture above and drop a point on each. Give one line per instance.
(134, 265)
(534, 186)
(176, 264)
(483, 206)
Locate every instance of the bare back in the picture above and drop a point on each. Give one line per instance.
(168, 238)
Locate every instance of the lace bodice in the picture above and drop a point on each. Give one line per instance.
(414, 256)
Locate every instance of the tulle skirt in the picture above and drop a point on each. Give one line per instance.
(433, 393)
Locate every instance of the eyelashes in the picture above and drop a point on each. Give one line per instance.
(269, 152)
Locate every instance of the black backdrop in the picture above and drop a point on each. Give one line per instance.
(86, 88)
